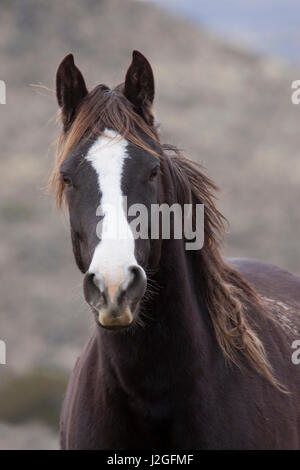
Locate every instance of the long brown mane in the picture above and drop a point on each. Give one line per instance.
(228, 298)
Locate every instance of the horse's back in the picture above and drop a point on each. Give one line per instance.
(279, 289)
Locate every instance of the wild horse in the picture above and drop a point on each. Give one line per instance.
(188, 351)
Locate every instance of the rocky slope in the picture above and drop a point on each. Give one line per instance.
(227, 108)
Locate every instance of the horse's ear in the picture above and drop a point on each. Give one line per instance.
(139, 86)
(70, 90)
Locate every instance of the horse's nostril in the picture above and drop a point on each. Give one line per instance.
(102, 298)
(135, 270)
(135, 284)
(99, 282)
(94, 289)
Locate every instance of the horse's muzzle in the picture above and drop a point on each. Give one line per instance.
(115, 306)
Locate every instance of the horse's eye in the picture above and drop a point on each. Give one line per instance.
(67, 180)
(153, 173)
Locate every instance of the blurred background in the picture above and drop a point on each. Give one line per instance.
(223, 78)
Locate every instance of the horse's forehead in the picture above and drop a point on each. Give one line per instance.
(107, 156)
(117, 160)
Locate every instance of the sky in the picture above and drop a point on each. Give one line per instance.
(271, 27)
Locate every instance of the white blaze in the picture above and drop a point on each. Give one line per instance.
(115, 250)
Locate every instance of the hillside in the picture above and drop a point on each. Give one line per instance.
(229, 109)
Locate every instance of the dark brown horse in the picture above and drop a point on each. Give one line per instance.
(188, 351)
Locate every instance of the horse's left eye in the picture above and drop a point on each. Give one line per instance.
(153, 173)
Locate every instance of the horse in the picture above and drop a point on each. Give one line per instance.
(189, 350)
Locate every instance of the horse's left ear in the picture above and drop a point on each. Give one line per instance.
(70, 90)
(139, 86)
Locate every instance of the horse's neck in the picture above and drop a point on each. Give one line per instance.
(175, 331)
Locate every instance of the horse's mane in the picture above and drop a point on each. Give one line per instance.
(227, 296)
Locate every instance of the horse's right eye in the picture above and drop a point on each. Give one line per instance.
(67, 180)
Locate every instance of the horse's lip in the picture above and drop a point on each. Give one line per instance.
(114, 327)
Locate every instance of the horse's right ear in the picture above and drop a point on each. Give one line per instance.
(70, 90)
(139, 86)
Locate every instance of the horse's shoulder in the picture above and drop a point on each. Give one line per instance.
(279, 289)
